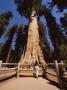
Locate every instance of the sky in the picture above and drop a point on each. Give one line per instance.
(9, 5)
(6, 5)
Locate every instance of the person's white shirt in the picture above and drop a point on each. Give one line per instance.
(36, 70)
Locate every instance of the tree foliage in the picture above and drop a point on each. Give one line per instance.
(4, 20)
(60, 3)
(63, 51)
(7, 44)
(52, 26)
(63, 21)
(44, 42)
(26, 6)
(61, 54)
(20, 44)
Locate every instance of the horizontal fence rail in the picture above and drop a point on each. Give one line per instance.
(27, 70)
(57, 72)
(7, 70)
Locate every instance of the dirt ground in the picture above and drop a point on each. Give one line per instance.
(27, 83)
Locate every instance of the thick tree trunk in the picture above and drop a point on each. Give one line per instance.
(33, 49)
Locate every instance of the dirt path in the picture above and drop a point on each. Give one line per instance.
(28, 83)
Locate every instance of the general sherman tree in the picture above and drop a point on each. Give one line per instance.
(30, 9)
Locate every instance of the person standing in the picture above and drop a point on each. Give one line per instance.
(36, 68)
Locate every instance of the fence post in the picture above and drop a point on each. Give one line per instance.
(18, 68)
(44, 70)
(63, 68)
(58, 74)
(0, 62)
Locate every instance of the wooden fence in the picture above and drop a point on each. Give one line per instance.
(7, 70)
(27, 70)
(56, 72)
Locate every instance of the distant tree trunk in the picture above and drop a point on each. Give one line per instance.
(8, 56)
(33, 49)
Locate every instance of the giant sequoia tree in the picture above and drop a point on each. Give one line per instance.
(29, 44)
(30, 9)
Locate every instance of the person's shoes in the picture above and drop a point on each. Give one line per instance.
(36, 77)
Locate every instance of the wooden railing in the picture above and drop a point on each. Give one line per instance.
(29, 69)
(56, 72)
(7, 70)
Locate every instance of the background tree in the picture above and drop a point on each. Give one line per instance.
(57, 30)
(7, 44)
(63, 21)
(63, 52)
(60, 3)
(47, 52)
(20, 43)
(54, 30)
(4, 20)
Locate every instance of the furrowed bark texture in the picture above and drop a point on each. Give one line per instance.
(33, 49)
